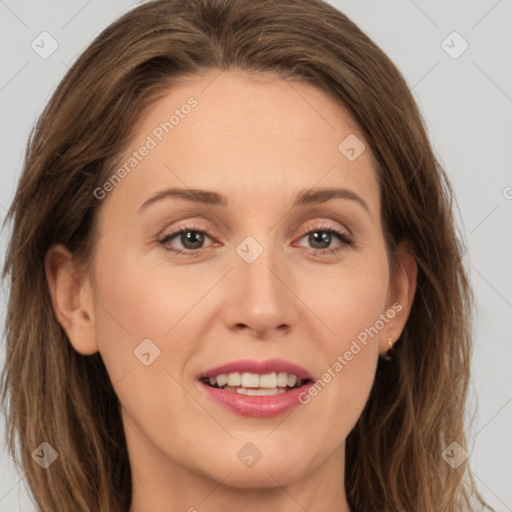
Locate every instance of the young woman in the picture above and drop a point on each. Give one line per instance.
(235, 281)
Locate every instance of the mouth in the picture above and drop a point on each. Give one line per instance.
(254, 388)
(254, 384)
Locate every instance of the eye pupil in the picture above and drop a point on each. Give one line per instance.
(194, 237)
(324, 238)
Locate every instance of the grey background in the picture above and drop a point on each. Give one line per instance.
(467, 103)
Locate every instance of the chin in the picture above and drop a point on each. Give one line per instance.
(267, 472)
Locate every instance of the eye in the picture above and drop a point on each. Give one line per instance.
(191, 237)
(322, 235)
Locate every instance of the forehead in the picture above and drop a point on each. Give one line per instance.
(251, 135)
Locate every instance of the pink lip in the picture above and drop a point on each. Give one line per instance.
(257, 406)
(261, 367)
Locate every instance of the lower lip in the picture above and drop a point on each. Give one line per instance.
(257, 406)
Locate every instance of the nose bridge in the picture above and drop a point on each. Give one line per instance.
(259, 295)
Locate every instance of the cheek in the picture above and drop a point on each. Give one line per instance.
(348, 301)
(141, 331)
(140, 301)
(350, 307)
(146, 321)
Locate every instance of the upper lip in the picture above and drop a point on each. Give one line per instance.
(261, 367)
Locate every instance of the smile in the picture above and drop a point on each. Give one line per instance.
(256, 388)
(254, 384)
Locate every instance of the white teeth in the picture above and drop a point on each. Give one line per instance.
(282, 379)
(249, 381)
(255, 392)
(268, 380)
(222, 380)
(260, 392)
(234, 379)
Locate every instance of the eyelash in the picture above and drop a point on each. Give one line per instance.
(344, 238)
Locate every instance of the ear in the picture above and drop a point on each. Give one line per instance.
(72, 299)
(402, 288)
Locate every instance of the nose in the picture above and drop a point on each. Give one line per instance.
(260, 297)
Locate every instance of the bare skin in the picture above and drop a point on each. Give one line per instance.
(259, 141)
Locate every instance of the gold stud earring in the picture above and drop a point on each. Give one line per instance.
(387, 355)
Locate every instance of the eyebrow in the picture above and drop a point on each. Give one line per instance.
(209, 197)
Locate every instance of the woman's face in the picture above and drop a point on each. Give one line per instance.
(252, 281)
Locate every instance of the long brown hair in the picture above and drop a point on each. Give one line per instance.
(51, 393)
